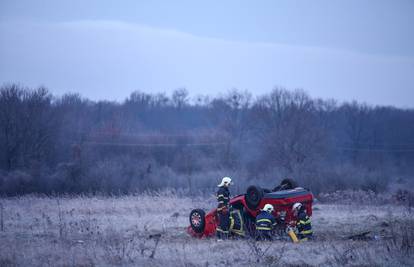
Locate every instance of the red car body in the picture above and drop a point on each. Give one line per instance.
(282, 202)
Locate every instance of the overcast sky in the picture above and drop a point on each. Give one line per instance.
(353, 49)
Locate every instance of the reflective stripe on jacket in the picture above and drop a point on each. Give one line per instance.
(304, 225)
(236, 222)
(265, 221)
(223, 197)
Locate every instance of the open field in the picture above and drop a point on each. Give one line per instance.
(149, 230)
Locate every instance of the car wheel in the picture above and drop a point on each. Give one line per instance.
(198, 220)
(286, 184)
(253, 196)
(289, 183)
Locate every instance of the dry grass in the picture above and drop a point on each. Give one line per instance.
(149, 230)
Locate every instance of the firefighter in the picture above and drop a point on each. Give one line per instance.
(237, 223)
(303, 223)
(223, 212)
(265, 222)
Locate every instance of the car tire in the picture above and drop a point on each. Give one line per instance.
(290, 183)
(286, 184)
(254, 195)
(197, 220)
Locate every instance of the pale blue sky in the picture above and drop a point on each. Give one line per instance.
(352, 49)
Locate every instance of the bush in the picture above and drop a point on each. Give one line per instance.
(17, 182)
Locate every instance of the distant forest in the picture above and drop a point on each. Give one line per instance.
(69, 144)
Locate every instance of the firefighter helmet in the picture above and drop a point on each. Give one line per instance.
(225, 181)
(268, 207)
(296, 206)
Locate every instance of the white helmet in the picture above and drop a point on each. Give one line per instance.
(225, 181)
(296, 206)
(268, 207)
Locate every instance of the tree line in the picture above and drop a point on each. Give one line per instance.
(70, 144)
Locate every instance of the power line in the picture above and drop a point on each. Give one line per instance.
(151, 145)
(94, 143)
(409, 144)
(375, 149)
(153, 135)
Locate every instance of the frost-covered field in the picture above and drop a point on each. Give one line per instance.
(149, 230)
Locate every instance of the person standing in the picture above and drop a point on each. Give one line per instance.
(223, 212)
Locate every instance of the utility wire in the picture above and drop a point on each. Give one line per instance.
(151, 145)
(93, 143)
(384, 144)
(375, 149)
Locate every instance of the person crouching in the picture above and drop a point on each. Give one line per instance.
(303, 223)
(264, 223)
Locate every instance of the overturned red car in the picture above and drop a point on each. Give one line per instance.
(249, 205)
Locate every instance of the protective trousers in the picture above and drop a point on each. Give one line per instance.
(264, 235)
(224, 224)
